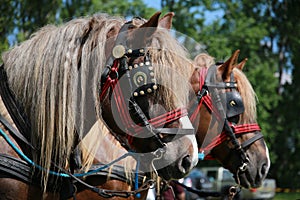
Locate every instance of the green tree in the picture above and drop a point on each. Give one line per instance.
(122, 8)
(287, 140)
(20, 18)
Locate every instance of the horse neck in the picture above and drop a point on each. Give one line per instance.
(102, 148)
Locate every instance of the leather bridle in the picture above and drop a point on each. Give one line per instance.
(129, 82)
(227, 107)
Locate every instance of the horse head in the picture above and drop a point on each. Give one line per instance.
(141, 103)
(226, 120)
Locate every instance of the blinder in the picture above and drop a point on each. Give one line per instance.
(235, 105)
(231, 99)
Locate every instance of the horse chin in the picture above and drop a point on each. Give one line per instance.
(174, 170)
(246, 180)
(254, 174)
(243, 180)
(168, 174)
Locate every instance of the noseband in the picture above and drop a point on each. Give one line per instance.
(227, 106)
(137, 81)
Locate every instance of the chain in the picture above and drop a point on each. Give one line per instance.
(125, 194)
(232, 192)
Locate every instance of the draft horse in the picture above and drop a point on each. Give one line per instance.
(62, 81)
(226, 114)
(245, 153)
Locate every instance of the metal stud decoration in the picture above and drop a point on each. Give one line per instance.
(118, 51)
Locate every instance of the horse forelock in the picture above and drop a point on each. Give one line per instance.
(45, 73)
(173, 68)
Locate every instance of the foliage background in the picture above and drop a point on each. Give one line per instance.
(266, 32)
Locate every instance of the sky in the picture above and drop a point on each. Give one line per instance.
(209, 16)
(153, 3)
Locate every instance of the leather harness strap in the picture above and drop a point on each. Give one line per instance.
(117, 172)
(11, 167)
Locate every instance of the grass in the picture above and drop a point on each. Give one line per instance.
(287, 196)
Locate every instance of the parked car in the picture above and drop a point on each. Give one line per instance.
(221, 178)
(198, 180)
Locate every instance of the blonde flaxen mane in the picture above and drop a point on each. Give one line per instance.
(51, 72)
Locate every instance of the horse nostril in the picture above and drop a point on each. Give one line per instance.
(264, 169)
(186, 164)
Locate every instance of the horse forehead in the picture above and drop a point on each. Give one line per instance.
(137, 21)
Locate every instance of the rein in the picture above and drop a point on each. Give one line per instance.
(230, 129)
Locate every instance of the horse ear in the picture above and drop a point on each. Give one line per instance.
(166, 21)
(227, 67)
(152, 22)
(144, 32)
(242, 64)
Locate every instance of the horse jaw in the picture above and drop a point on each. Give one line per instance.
(181, 155)
(257, 167)
(176, 163)
(256, 170)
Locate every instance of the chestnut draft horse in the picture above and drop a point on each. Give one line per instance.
(226, 111)
(249, 159)
(62, 81)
